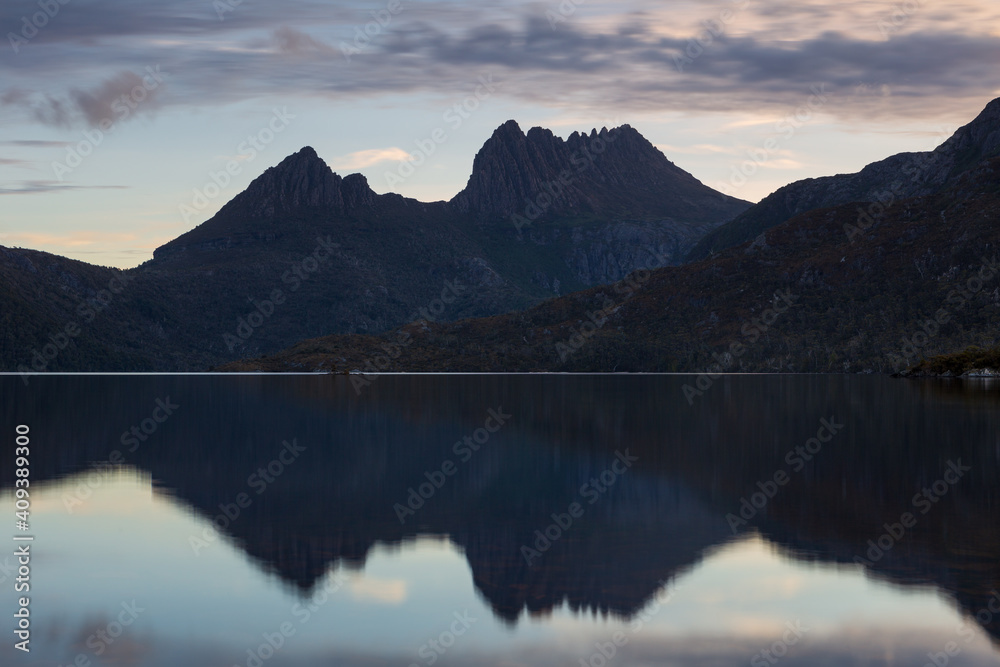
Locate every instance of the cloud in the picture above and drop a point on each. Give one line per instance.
(35, 143)
(111, 99)
(384, 591)
(45, 187)
(74, 240)
(622, 58)
(294, 42)
(114, 100)
(362, 159)
(697, 149)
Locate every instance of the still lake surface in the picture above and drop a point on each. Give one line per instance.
(508, 520)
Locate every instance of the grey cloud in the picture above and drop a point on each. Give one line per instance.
(436, 48)
(82, 21)
(116, 99)
(45, 187)
(99, 105)
(295, 42)
(36, 143)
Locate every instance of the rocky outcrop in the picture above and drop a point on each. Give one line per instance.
(300, 183)
(611, 173)
(302, 180)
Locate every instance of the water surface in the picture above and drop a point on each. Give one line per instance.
(649, 489)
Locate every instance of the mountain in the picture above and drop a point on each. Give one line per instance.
(612, 174)
(304, 252)
(831, 290)
(898, 177)
(59, 313)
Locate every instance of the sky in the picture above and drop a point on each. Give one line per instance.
(118, 118)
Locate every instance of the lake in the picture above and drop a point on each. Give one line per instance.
(507, 520)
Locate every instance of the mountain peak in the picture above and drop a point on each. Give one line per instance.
(301, 180)
(972, 143)
(304, 158)
(616, 173)
(510, 128)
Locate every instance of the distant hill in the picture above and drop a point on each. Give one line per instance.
(304, 252)
(897, 177)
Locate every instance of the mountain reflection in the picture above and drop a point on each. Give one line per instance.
(361, 454)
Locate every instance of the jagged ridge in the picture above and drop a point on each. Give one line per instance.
(608, 172)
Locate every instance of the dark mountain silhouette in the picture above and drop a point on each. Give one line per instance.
(341, 258)
(898, 177)
(694, 464)
(612, 173)
(864, 292)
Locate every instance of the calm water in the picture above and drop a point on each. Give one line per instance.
(508, 521)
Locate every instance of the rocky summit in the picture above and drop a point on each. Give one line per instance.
(615, 173)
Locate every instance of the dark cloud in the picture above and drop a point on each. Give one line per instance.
(47, 187)
(442, 48)
(97, 22)
(127, 89)
(116, 99)
(295, 42)
(36, 143)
